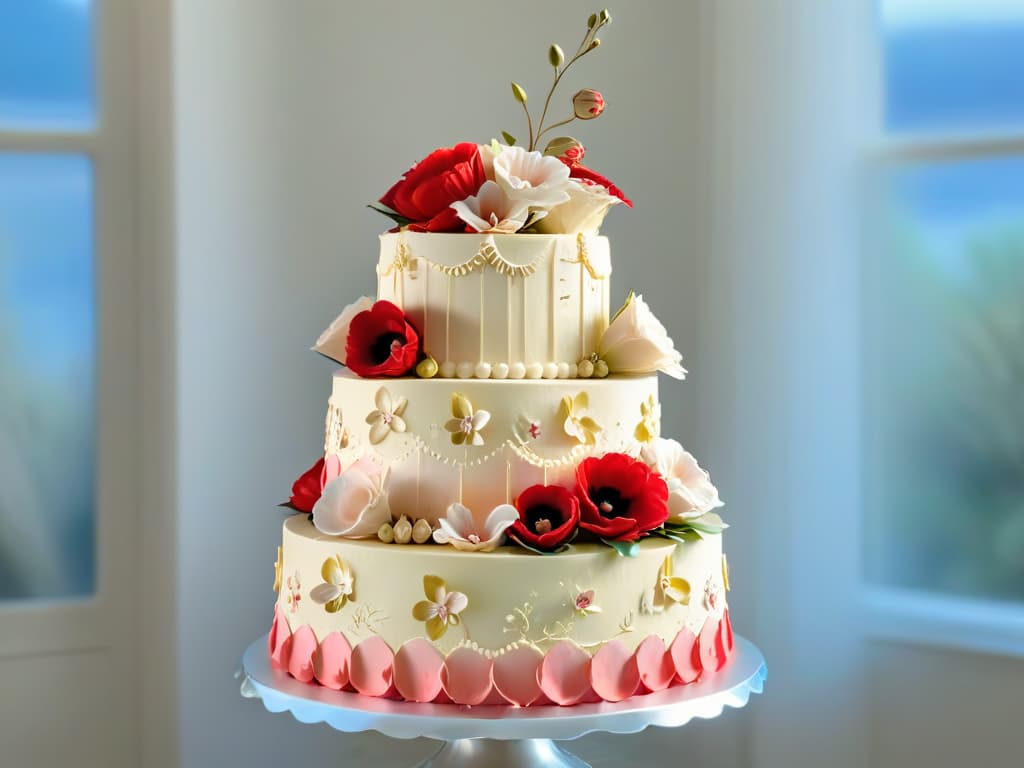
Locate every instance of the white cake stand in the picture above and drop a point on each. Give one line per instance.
(502, 737)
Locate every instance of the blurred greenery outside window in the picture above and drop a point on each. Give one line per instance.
(47, 300)
(943, 344)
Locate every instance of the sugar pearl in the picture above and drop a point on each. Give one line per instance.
(534, 370)
(516, 371)
(500, 371)
(447, 369)
(464, 370)
(483, 370)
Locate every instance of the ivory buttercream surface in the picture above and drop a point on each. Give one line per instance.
(500, 306)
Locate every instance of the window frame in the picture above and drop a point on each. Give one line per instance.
(104, 619)
(893, 613)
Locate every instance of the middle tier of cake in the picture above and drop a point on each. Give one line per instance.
(480, 442)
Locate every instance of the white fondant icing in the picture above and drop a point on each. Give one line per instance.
(553, 288)
(424, 465)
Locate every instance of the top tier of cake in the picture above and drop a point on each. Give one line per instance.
(500, 306)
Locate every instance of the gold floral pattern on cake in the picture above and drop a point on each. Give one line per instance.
(649, 426)
(441, 609)
(336, 435)
(338, 587)
(487, 255)
(598, 271)
(366, 620)
(387, 417)
(579, 604)
(577, 422)
(277, 571)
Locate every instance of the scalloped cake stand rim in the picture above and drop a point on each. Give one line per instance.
(351, 713)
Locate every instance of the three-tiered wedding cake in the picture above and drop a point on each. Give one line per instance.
(496, 519)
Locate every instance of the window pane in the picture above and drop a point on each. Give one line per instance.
(944, 375)
(47, 376)
(953, 64)
(46, 63)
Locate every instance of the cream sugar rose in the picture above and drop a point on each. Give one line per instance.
(496, 518)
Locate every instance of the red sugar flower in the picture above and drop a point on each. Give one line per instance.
(427, 190)
(548, 518)
(620, 498)
(306, 490)
(382, 342)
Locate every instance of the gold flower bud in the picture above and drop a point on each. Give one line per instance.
(606, 17)
(600, 369)
(422, 531)
(386, 533)
(555, 56)
(587, 104)
(427, 368)
(403, 530)
(518, 92)
(585, 369)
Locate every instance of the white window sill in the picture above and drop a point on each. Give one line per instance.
(944, 621)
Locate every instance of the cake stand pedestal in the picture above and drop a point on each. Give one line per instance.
(502, 737)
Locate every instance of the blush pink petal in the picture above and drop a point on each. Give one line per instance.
(729, 640)
(564, 675)
(371, 668)
(712, 653)
(331, 661)
(685, 652)
(300, 663)
(613, 672)
(466, 676)
(417, 674)
(280, 640)
(654, 664)
(515, 675)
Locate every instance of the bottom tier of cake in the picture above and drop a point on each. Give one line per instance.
(428, 623)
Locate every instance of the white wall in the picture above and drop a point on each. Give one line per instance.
(290, 117)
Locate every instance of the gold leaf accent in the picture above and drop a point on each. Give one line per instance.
(401, 261)
(583, 257)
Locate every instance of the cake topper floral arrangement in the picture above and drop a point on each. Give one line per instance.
(509, 188)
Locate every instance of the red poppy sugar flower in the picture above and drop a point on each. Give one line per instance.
(423, 196)
(548, 518)
(306, 490)
(621, 499)
(382, 342)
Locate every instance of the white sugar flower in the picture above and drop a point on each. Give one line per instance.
(354, 504)
(493, 210)
(388, 416)
(460, 529)
(584, 211)
(332, 341)
(530, 177)
(690, 492)
(637, 342)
